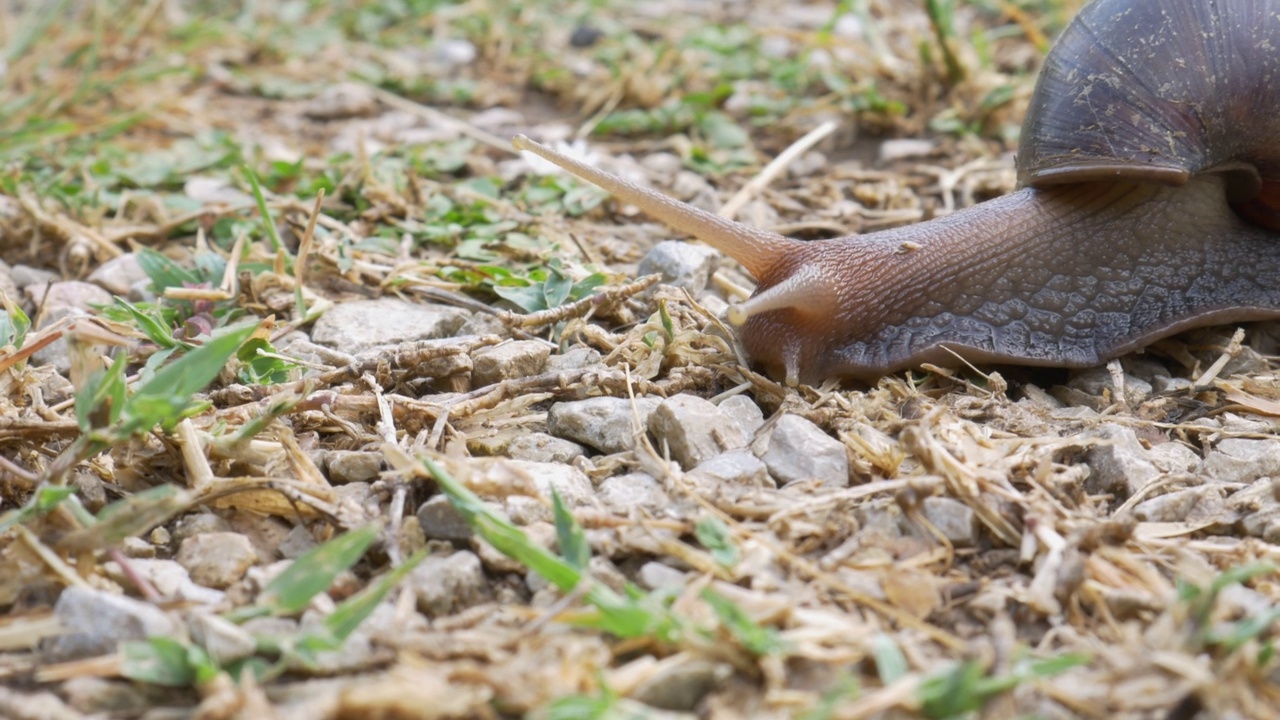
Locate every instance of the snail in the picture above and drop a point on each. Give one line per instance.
(1149, 203)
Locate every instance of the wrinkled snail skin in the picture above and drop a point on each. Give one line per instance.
(1066, 294)
(1150, 166)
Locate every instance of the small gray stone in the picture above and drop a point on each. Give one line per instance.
(695, 190)
(1166, 384)
(1258, 507)
(218, 559)
(571, 483)
(266, 532)
(199, 524)
(223, 639)
(454, 367)
(662, 164)
(694, 430)
(574, 358)
(799, 450)
(454, 52)
(1173, 457)
(1244, 424)
(1193, 504)
(604, 423)
(736, 467)
(100, 697)
(906, 148)
(954, 519)
(342, 101)
(541, 447)
(1247, 362)
(25, 276)
(1242, 460)
(483, 324)
(1117, 462)
(440, 520)
(207, 190)
(346, 466)
(681, 264)
(136, 547)
(118, 274)
(298, 541)
(622, 493)
(515, 359)
(745, 411)
(714, 304)
(1097, 381)
(654, 575)
(523, 510)
(366, 324)
(1144, 368)
(95, 621)
(170, 579)
(70, 294)
(880, 518)
(61, 301)
(446, 584)
(680, 683)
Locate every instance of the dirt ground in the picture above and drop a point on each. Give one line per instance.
(317, 400)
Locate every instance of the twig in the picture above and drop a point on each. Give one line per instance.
(581, 307)
(773, 169)
(1233, 349)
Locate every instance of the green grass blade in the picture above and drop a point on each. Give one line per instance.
(314, 572)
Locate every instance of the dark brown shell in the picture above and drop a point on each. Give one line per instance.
(1159, 90)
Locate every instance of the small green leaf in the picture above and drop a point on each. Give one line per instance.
(557, 287)
(155, 331)
(314, 572)
(164, 273)
(101, 400)
(573, 541)
(668, 327)
(14, 325)
(351, 612)
(129, 517)
(46, 498)
(845, 688)
(891, 664)
(1239, 633)
(49, 496)
(165, 661)
(257, 369)
(583, 707)
(631, 616)
(587, 285)
(757, 639)
(952, 692)
(268, 222)
(529, 298)
(166, 398)
(714, 536)
(722, 131)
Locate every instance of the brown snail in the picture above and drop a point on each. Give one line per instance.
(1149, 167)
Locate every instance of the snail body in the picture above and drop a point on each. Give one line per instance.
(1149, 167)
